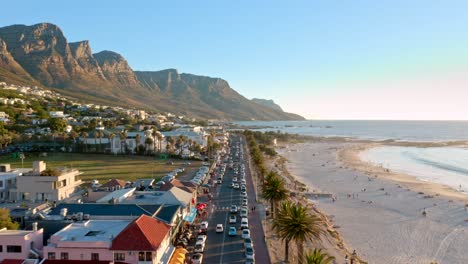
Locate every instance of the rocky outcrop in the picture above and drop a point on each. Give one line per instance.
(268, 103)
(115, 68)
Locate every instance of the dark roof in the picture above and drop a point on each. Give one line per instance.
(167, 213)
(18, 212)
(50, 227)
(106, 209)
(143, 234)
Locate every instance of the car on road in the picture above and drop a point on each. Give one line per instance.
(201, 238)
(244, 223)
(244, 202)
(248, 242)
(232, 231)
(243, 188)
(233, 209)
(243, 194)
(245, 233)
(243, 212)
(234, 179)
(236, 186)
(232, 219)
(219, 228)
(249, 253)
(204, 225)
(243, 181)
(199, 247)
(231, 185)
(197, 258)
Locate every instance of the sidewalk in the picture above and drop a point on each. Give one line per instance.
(255, 218)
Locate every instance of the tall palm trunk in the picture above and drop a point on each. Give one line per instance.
(300, 252)
(286, 250)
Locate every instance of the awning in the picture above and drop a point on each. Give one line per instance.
(179, 256)
(191, 215)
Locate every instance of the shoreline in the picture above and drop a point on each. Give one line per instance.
(334, 166)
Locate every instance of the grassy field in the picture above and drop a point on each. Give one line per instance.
(105, 167)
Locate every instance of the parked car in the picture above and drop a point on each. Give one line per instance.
(248, 242)
(199, 247)
(249, 253)
(201, 238)
(232, 231)
(243, 213)
(233, 209)
(245, 233)
(244, 202)
(204, 225)
(197, 258)
(219, 228)
(232, 219)
(244, 223)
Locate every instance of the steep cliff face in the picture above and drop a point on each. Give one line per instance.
(10, 69)
(42, 50)
(267, 103)
(87, 64)
(115, 68)
(40, 54)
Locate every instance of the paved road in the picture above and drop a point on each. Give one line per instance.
(220, 248)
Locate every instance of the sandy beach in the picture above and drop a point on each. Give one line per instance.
(379, 212)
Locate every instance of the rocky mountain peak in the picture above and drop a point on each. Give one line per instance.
(80, 49)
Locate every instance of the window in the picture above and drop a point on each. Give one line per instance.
(64, 255)
(1, 248)
(119, 256)
(51, 255)
(14, 249)
(145, 256)
(94, 256)
(1, 184)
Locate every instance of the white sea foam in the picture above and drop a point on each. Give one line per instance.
(443, 165)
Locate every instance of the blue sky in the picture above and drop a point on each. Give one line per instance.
(330, 59)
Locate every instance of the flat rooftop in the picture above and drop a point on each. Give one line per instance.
(4, 232)
(93, 230)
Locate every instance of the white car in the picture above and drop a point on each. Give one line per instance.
(233, 209)
(245, 233)
(244, 202)
(244, 194)
(197, 258)
(244, 223)
(199, 247)
(201, 238)
(232, 219)
(204, 225)
(219, 228)
(234, 179)
(249, 253)
(236, 186)
(243, 213)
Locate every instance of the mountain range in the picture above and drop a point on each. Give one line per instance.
(41, 55)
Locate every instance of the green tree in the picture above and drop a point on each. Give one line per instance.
(6, 221)
(57, 124)
(295, 222)
(148, 142)
(274, 190)
(318, 257)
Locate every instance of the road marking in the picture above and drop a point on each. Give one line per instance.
(224, 235)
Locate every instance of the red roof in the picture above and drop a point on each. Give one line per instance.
(12, 261)
(113, 183)
(145, 234)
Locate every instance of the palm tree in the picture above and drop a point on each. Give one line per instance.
(110, 137)
(137, 141)
(123, 141)
(318, 257)
(274, 190)
(100, 135)
(295, 222)
(154, 134)
(160, 138)
(85, 135)
(74, 135)
(95, 136)
(148, 142)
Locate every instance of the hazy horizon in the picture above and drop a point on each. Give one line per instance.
(327, 60)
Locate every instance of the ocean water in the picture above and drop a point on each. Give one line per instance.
(443, 165)
(419, 131)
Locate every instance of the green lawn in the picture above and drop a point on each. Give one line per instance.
(105, 167)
